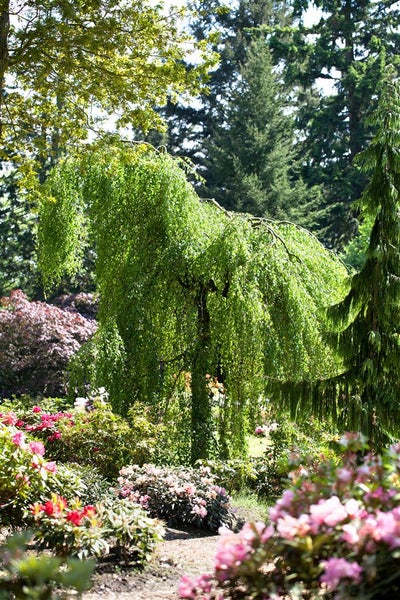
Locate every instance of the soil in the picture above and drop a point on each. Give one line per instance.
(189, 551)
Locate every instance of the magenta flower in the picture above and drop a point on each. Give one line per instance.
(37, 448)
(36, 409)
(337, 569)
(19, 439)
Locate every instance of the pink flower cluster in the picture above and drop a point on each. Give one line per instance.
(236, 549)
(350, 513)
(37, 450)
(47, 422)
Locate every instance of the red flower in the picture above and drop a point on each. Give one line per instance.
(75, 517)
(89, 511)
(49, 508)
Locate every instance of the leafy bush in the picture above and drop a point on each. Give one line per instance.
(36, 342)
(83, 531)
(132, 532)
(178, 495)
(27, 576)
(24, 471)
(88, 433)
(288, 442)
(334, 533)
(233, 474)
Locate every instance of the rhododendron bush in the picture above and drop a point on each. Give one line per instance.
(37, 341)
(334, 533)
(178, 495)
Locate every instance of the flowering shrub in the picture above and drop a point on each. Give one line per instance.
(178, 495)
(68, 530)
(27, 576)
(334, 533)
(73, 529)
(37, 341)
(24, 471)
(89, 433)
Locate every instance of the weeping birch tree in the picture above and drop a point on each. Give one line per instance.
(186, 286)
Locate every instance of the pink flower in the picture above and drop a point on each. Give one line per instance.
(337, 569)
(19, 439)
(288, 527)
(328, 512)
(199, 510)
(36, 409)
(388, 527)
(37, 448)
(188, 587)
(51, 467)
(9, 418)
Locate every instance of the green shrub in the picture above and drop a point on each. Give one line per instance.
(92, 530)
(31, 576)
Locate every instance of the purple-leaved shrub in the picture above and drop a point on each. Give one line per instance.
(37, 341)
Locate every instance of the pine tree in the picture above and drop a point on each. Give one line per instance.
(366, 322)
(250, 156)
(346, 50)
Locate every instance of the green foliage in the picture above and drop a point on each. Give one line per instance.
(251, 159)
(186, 287)
(119, 59)
(178, 495)
(90, 531)
(29, 576)
(345, 49)
(133, 533)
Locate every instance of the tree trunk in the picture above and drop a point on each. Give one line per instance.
(4, 31)
(201, 417)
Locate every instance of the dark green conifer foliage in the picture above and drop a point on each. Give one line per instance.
(251, 156)
(366, 395)
(186, 287)
(347, 48)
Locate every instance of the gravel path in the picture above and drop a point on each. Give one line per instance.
(182, 552)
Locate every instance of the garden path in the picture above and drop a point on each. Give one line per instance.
(188, 552)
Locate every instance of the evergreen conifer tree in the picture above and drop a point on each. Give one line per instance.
(366, 395)
(251, 163)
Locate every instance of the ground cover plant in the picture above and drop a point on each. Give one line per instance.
(334, 533)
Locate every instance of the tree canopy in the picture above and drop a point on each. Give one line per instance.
(186, 286)
(65, 64)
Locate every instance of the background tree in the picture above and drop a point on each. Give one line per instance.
(347, 49)
(250, 159)
(66, 69)
(187, 287)
(60, 61)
